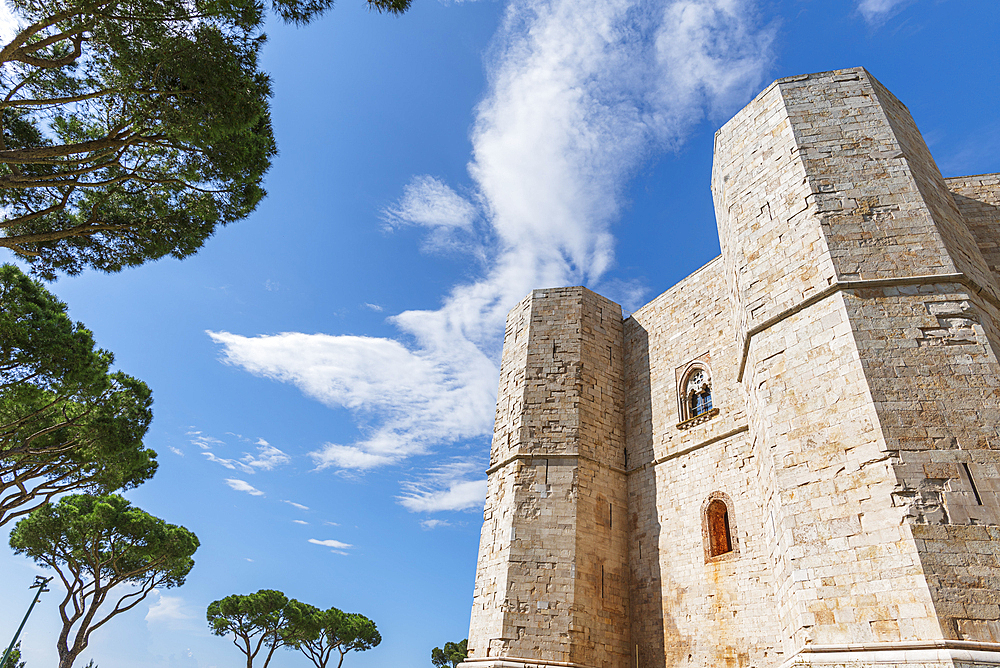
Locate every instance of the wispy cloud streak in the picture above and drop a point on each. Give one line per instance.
(454, 486)
(421, 397)
(267, 458)
(581, 93)
(877, 12)
(243, 486)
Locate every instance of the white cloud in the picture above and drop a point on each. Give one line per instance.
(202, 441)
(877, 12)
(268, 457)
(176, 451)
(167, 608)
(446, 487)
(244, 486)
(330, 543)
(374, 307)
(297, 505)
(300, 522)
(351, 457)
(228, 463)
(458, 496)
(433, 524)
(429, 202)
(581, 92)
(420, 396)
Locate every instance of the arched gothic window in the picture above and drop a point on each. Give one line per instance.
(717, 518)
(698, 392)
(718, 527)
(695, 396)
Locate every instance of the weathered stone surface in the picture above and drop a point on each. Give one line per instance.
(978, 199)
(850, 330)
(552, 583)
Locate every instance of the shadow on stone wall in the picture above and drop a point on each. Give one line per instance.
(983, 221)
(647, 623)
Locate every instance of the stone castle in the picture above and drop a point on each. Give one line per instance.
(790, 458)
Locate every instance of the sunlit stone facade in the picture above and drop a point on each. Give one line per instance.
(789, 458)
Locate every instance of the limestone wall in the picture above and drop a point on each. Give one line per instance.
(978, 199)
(490, 595)
(687, 609)
(772, 258)
(851, 329)
(552, 582)
(509, 422)
(845, 569)
(600, 630)
(927, 210)
(935, 384)
(691, 322)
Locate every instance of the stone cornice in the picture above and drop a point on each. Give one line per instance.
(839, 286)
(690, 448)
(551, 455)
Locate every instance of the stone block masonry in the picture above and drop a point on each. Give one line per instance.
(978, 200)
(552, 583)
(830, 385)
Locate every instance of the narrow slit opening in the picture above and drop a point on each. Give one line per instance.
(975, 490)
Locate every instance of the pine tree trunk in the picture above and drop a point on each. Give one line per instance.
(66, 659)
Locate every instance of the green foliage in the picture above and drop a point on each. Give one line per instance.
(318, 633)
(268, 620)
(131, 129)
(256, 621)
(67, 422)
(98, 543)
(14, 658)
(452, 654)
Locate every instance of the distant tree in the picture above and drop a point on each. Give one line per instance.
(318, 633)
(131, 129)
(97, 544)
(453, 654)
(14, 658)
(259, 621)
(67, 422)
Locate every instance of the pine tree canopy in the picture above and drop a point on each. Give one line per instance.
(132, 129)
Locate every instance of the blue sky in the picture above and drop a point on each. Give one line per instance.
(324, 372)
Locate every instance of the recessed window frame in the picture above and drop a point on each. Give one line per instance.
(706, 529)
(685, 410)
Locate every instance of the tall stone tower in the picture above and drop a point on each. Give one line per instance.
(802, 437)
(552, 582)
(867, 322)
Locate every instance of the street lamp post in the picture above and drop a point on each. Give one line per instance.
(39, 584)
